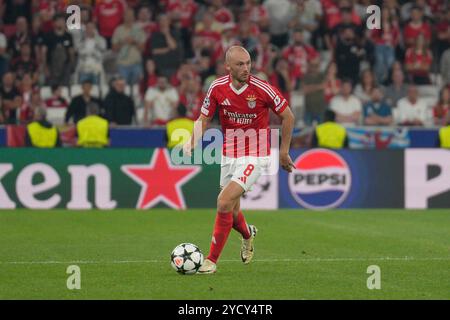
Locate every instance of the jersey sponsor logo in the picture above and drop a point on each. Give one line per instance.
(321, 179)
(240, 118)
(251, 101)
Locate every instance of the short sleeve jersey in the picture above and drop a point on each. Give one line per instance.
(246, 109)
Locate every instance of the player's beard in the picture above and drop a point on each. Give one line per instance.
(243, 78)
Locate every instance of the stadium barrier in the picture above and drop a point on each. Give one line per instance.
(146, 178)
(136, 137)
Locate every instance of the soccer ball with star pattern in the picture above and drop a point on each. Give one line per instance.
(186, 258)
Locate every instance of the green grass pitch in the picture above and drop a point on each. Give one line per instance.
(124, 254)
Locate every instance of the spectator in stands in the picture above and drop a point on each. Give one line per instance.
(347, 107)
(183, 14)
(204, 66)
(330, 134)
(222, 14)
(191, 97)
(247, 37)
(56, 100)
(406, 10)
(91, 50)
(397, 90)
(333, 83)
(108, 15)
(314, 91)
(3, 54)
(411, 110)
(119, 107)
(27, 90)
(348, 55)
(150, 77)
(165, 47)
(281, 13)
(308, 17)
(418, 61)
(376, 111)
(144, 20)
(416, 27)
(266, 53)
(363, 90)
(208, 30)
(41, 133)
(60, 53)
(220, 71)
(11, 98)
(256, 13)
(386, 40)
(77, 107)
(441, 109)
(37, 43)
(25, 63)
(281, 78)
(443, 34)
(21, 36)
(181, 122)
(93, 130)
(445, 67)
(298, 54)
(129, 43)
(16, 9)
(161, 102)
(346, 22)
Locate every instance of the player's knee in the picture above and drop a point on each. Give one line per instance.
(224, 204)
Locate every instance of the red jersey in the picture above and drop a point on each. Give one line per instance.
(411, 31)
(298, 57)
(109, 15)
(185, 10)
(223, 15)
(246, 109)
(414, 57)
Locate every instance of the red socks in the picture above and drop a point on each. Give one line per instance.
(222, 228)
(240, 225)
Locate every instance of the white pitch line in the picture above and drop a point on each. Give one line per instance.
(235, 260)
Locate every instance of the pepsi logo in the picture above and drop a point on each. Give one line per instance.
(321, 179)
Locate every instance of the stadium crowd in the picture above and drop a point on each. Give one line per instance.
(147, 62)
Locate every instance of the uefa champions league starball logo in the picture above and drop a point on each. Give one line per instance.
(321, 179)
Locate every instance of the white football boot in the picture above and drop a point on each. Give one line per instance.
(247, 247)
(208, 267)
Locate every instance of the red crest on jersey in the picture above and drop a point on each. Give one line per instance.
(251, 100)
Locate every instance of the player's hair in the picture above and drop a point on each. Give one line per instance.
(230, 51)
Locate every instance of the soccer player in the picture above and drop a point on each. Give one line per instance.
(243, 102)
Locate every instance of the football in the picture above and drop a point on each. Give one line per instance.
(186, 258)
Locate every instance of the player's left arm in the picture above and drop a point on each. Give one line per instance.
(287, 126)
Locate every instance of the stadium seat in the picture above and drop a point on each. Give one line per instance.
(95, 91)
(428, 91)
(46, 92)
(104, 91)
(75, 90)
(65, 93)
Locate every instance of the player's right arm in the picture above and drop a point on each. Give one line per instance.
(201, 124)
